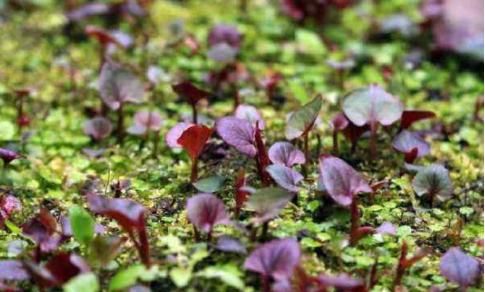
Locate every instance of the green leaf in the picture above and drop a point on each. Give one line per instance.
(268, 202)
(82, 224)
(84, 282)
(209, 184)
(7, 130)
(129, 276)
(302, 120)
(309, 42)
(433, 180)
(180, 276)
(229, 274)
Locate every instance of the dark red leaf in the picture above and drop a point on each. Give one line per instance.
(190, 92)
(409, 117)
(193, 139)
(129, 214)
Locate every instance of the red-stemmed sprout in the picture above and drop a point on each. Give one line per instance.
(405, 262)
(206, 211)
(192, 94)
(411, 145)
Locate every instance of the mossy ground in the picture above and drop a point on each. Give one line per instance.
(35, 53)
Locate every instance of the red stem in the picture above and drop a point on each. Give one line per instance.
(194, 113)
(354, 221)
(265, 286)
(120, 124)
(335, 142)
(194, 171)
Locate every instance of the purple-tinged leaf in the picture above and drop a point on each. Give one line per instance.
(285, 177)
(190, 92)
(8, 155)
(302, 120)
(341, 181)
(8, 205)
(174, 134)
(286, 154)
(87, 10)
(206, 211)
(409, 117)
(434, 181)
(267, 203)
(224, 33)
(339, 122)
(386, 228)
(118, 85)
(459, 267)
(222, 53)
(250, 113)
(277, 258)
(98, 128)
(43, 230)
(238, 133)
(145, 121)
(372, 106)
(12, 270)
(230, 244)
(411, 144)
(342, 282)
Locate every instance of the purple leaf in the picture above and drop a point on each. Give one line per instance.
(43, 230)
(118, 85)
(342, 282)
(145, 121)
(286, 154)
(341, 181)
(268, 202)
(206, 211)
(8, 205)
(386, 228)
(339, 122)
(190, 92)
(87, 10)
(433, 180)
(8, 155)
(171, 138)
(230, 244)
(250, 113)
(302, 120)
(224, 33)
(238, 133)
(12, 270)
(277, 258)
(285, 177)
(372, 106)
(459, 267)
(411, 144)
(98, 128)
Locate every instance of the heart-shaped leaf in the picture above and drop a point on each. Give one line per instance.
(206, 211)
(285, 177)
(411, 144)
(409, 117)
(277, 258)
(193, 139)
(434, 181)
(190, 92)
(302, 120)
(118, 85)
(372, 106)
(341, 181)
(286, 154)
(459, 267)
(98, 128)
(268, 202)
(238, 133)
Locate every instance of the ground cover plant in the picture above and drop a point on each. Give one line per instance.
(251, 145)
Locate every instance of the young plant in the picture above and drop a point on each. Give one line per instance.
(372, 106)
(301, 122)
(98, 128)
(285, 177)
(343, 184)
(411, 144)
(192, 138)
(43, 230)
(433, 181)
(338, 123)
(267, 203)
(284, 153)
(274, 261)
(247, 139)
(8, 206)
(404, 263)
(144, 123)
(459, 267)
(7, 156)
(118, 86)
(130, 216)
(206, 211)
(192, 94)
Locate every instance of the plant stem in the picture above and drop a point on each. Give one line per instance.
(194, 113)
(335, 142)
(264, 230)
(120, 124)
(400, 269)
(194, 172)
(265, 287)
(144, 248)
(354, 221)
(307, 155)
(372, 142)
